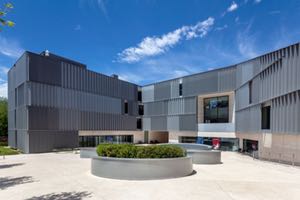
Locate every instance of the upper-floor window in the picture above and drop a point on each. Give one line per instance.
(216, 110)
(265, 117)
(139, 95)
(126, 107)
(180, 89)
(141, 109)
(250, 92)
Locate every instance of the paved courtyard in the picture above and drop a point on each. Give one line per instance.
(65, 176)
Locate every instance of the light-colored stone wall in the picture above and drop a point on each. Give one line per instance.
(161, 137)
(275, 146)
(138, 136)
(174, 135)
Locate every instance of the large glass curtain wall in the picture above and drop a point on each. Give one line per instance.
(93, 141)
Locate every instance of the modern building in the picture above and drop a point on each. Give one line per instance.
(55, 102)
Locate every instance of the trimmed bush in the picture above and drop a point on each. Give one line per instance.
(133, 151)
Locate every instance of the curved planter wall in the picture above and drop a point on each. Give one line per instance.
(141, 169)
(88, 152)
(205, 156)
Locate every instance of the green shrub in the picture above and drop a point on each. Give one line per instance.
(8, 151)
(133, 151)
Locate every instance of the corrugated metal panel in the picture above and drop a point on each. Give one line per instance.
(21, 70)
(162, 91)
(43, 69)
(146, 123)
(227, 79)
(159, 123)
(173, 123)
(242, 97)
(188, 122)
(200, 84)
(148, 93)
(249, 119)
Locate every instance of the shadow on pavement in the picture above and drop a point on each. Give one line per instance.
(62, 196)
(10, 181)
(10, 165)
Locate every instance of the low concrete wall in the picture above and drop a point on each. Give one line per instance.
(141, 169)
(189, 146)
(205, 156)
(88, 152)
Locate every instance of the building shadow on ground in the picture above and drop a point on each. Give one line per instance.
(10, 165)
(7, 182)
(62, 196)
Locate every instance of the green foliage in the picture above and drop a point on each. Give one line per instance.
(7, 151)
(3, 12)
(3, 116)
(133, 151)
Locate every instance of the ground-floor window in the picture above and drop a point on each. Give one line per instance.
(250, 145)
(92, 141)
(224, 144)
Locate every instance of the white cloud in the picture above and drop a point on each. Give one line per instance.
(4, 70)
(102, 6)
(10, 48)
(3, 89)
(257, 1)
(232, 7)
(220, 28)
(77, 27)
(151, 46)
(246, 43)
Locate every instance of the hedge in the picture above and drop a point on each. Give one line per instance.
(133, 151)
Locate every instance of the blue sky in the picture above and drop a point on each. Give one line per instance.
(144, 41)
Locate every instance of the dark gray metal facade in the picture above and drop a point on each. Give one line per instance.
(166, 110)
(51, 98)
(275, 81)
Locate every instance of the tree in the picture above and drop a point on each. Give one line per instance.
(3, 116)
(3, 12)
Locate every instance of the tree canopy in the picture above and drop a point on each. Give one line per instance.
(4, 10)
(3, 116)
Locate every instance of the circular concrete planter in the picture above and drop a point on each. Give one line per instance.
(88, 152)
(141, 169)
(205, 156)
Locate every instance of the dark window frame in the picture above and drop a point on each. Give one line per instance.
(180, 89)
(218, 119)
(266, 117)
(126, 107)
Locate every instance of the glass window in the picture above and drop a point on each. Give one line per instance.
(266, 117)
(126, 107)
(216, 110)
(180, 89)
(141, 109)
(139, 95)
(250, 92)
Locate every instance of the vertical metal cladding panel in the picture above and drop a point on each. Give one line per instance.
(298, 111)
(187, 123)
(249, 119)
(227, 79)
(159, 123)
(12, 139)
(181, 106)
(41, 118)
(45, 70)
(21, 70)
(146, 123)
(155, 108)
(244, 72)
(174, 85)
(242, 97)
(21, 118)
(256, 89)
(22, 141)
(21, 95)
(200, 84)
(148, 93)
(173, 123)
(162, 91)
(11, 119)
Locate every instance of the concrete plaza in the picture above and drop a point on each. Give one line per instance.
(64, 175)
